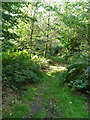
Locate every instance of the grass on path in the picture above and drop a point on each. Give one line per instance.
(54, 100)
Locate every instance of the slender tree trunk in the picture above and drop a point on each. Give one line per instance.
(88, 38)
(47, 37)
(31, 38)
(46, 47)
(32, 30)
(50, 47)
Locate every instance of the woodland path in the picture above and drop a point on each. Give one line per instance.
(47, 99)
(45, 104)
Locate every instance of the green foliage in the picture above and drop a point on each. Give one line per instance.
(18, 68)
(11, 14)
(41, 61)
(76, 75)
(27, 76)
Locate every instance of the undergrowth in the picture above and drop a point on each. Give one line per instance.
(77, 74)
(18, 69)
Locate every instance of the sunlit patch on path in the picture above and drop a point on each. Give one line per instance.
(57, 68)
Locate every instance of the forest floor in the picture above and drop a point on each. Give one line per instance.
(48, 99)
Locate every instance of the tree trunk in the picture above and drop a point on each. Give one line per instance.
(31, 37)
(46, 47)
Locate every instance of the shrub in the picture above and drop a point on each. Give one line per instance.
(76, 75)
(18, 68)
(26, 76)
